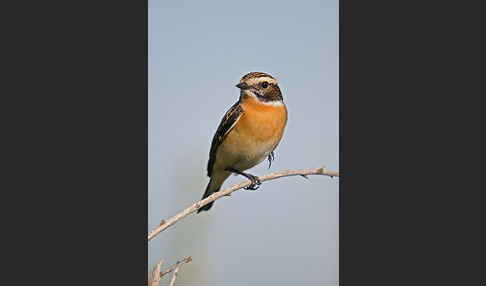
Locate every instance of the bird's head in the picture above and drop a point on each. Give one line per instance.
(262, 86)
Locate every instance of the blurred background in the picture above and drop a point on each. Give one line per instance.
(285, 233)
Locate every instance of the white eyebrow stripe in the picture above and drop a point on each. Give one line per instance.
(255, 80)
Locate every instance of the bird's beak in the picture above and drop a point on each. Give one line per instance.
(242, 85)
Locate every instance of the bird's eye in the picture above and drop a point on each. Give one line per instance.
(264, 84)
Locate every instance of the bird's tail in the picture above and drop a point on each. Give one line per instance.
(209, 190)
(217, 179)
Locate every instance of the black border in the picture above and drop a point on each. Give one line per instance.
(77, 73)
(406, 123)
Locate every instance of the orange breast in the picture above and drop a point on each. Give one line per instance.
(264, 123)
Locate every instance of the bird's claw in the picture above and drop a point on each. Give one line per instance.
(255, 183)
(271, 157)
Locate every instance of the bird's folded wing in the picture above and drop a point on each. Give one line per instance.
(227, 123)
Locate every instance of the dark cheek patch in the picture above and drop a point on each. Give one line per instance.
(273, 94)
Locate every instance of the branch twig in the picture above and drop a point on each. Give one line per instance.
(227, 191)
(154, 279)
(173, 267)
(174, 276)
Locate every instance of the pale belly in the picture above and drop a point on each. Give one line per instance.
(243, 155)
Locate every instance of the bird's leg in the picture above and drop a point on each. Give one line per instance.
(271, 157)
(255, 182)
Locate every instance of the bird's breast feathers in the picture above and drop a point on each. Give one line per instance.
(262, 122)
(256, 133)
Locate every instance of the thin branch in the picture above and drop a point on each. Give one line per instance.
(174, 276)
(155, 277)
(173, 267)
(225, 192)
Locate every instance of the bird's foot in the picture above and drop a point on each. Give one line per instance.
(271, 157)
(255, 182)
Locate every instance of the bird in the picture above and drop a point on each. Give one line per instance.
(248, 133)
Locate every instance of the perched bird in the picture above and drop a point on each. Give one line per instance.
(248, 133)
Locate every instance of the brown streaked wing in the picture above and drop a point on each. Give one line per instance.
(227, 123)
